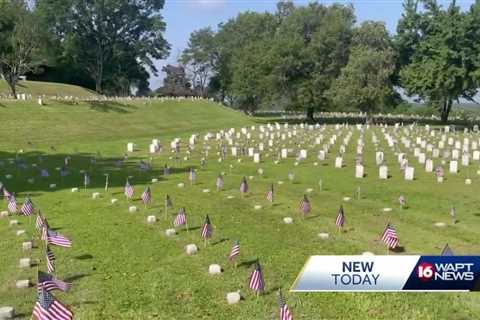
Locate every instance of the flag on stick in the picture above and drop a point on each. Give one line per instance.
(49, 308)
(147, 196)
(285, 313)
(389, 236)
(128, 191)
(270, 194)
(447, 251)
(181, 218)
(49, 283)
(57, 239)
(12, 204)
(256, 279)
(50, 257)
(305, 207)
(244, 186)
(207, 229)
(339, 222)
(27, 207)
(235, 251)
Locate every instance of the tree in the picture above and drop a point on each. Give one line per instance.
(176, 83)
(18, 42)
(439, 56)
(365, 83)
(200, 58)
(98, 35)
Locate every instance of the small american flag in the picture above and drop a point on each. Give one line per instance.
(128, 190)
(49, 308)
(12, 204)
(207, 228)
(402, 201)
(270, 194)
(40, 222)
(168, 202)
(56, 238)
(27, 207)
(340, 218)
(147, 196)
(219, 183)
(50, 257)
(244, 185)
(390, 237)
(256, 279)
(49, 283)
(305, 206)
(181, 218)
(447, 251)
(439, 172)
(235, 251)
(285, 313)
(6, 194)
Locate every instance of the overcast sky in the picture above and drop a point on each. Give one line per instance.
(184, 16)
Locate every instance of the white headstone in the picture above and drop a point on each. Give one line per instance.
(409, 173)
(429, 165)
(22, 284)
(256, 157)
(170, 232)
(25, 263)
(191, 249)
(359, 171)
(151, 219)
(214, 269)
(453, 167)
(383, 172)
(27, 245)
(7, 312)
(132, 209)
(338, 162)
(130, 147)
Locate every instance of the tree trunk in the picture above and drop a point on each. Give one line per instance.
(310, 111)
(12, 83)
(445, 111)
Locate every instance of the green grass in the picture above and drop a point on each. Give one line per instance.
(40, 88)
(122, 268)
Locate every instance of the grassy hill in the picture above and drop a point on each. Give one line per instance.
(39, 88)
(123, 268)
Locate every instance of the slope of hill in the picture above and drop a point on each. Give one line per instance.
(38, 88)
(89, 123)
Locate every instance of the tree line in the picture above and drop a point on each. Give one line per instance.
(317, 58)
(107, 45)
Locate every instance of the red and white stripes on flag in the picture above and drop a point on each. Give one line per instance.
(147, 196)
(235, 251)
(256, 279)
(49, 308)
(12, 204)
(305, 207)
(339, 222)
(285, 313)
(49, 283)
(244, 185)
(181, 218)
(270, 194)
(207, 228)
(390, 237)
(50, 257)
(40, 222)
(128, 190)
(57, 239)
(27, 207)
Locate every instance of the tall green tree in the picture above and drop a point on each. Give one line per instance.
(100, 35)
(438, 55)
(365, 83)
(19, 43)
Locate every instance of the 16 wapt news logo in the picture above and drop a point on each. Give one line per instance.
(445, 271)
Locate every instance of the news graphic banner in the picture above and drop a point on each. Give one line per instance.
(389, 273)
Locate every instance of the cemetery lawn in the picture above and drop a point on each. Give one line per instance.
(122, 268)
(39, 88)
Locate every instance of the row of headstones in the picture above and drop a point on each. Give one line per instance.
(8, 312)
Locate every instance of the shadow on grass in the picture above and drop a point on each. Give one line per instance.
(76, 277)
(85, 256)
(248, 263)
(220, 241)
(29, 165)
(111, 106)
